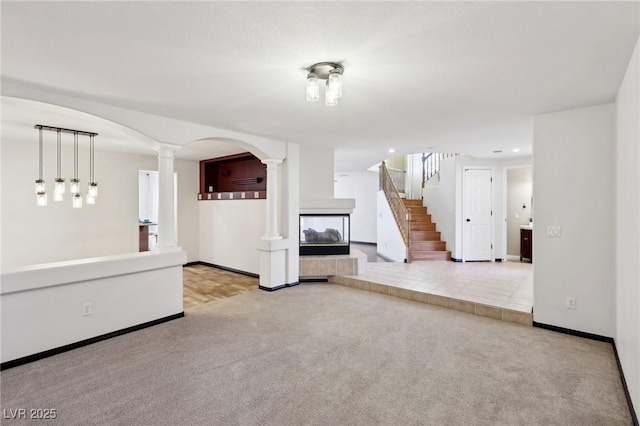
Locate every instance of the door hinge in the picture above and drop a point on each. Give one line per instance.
(491, 245)
(491, 212)
(490, 179)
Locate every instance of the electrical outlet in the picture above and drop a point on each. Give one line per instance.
(571, 302)
(516, 216)
(87, 309)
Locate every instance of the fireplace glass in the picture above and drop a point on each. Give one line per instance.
(324, 234)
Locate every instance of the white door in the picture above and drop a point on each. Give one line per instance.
(477, 214)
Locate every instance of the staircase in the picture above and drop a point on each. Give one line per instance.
(418, 232)
(424, 240)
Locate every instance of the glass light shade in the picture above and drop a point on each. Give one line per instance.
(58, 196)
(313, 87)
(75, 186)
(77, 200)
(40, 187)
(335, 83)
(41, 199)
(330, 99)
(93, 190)
(59, 187)
(90, 199)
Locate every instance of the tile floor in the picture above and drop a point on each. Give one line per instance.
(507, 285)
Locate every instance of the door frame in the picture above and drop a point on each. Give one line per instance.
(505, 188)
(463, 211)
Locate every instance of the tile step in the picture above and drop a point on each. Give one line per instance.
(495, 312)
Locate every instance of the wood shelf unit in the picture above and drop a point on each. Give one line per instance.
(234, 177)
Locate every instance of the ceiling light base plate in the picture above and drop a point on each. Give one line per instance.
(321, 69)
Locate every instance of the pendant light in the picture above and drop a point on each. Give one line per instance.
(75, 182)
(59, 187)
(41, 194)
(313, 87)
(335, 82)
(92, 191)
(330, 96)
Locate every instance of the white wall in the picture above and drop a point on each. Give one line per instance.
(316, 173)
(413, 177)
(497, 166)
(188, 210)
(443, 199)
(57, 232)
(519, 192)
(440, 200)
(42, 306)
(363, 187)
(290, 177)
(627, 266)
(229, 233)
(390, 242)
(573, 187)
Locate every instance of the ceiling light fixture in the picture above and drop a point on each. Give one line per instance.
(59, 187)
(391, 150)
(516, 150)
(331, 72)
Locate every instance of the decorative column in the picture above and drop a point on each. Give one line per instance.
(166, 197)
(271, 231)
(271, 246)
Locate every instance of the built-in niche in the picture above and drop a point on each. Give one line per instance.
(234, 177)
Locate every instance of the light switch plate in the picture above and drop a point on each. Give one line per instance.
(553, 231)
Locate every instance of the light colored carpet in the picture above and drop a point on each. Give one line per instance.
(326, 355)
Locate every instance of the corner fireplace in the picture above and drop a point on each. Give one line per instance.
(324, 234)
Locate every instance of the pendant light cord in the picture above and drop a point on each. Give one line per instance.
(75, 155)
(59, 152)
(40, 157)
(91, 154)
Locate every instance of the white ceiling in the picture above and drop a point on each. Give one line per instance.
(453, 76)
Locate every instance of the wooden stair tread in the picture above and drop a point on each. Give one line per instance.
(422, 226)
(428, 246)
(424, 235)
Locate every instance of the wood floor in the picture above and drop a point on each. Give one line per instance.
(202, 284)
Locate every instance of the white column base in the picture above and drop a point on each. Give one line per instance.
(273, 263)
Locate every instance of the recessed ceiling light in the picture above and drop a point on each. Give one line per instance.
(391, 150)
(516, 150)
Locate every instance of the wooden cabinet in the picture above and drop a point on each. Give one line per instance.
(144, 238)
(526, 244)
(234, 177)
